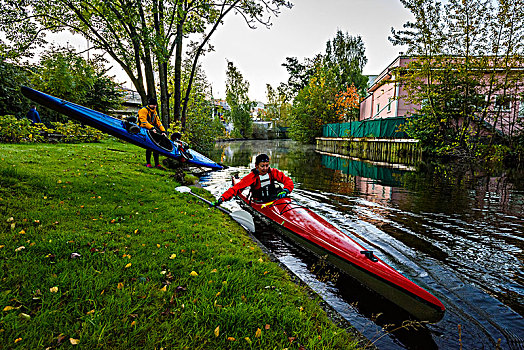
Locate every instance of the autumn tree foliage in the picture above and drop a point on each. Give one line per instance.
(347, 103)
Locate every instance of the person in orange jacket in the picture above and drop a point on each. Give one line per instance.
(262, 181)
(148, 118)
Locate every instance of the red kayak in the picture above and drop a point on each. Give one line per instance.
(322, 238)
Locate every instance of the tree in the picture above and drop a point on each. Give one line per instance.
(202, 127)
(327, 87)
(141, 36)
(345, 54)
(458, 70)
(64, 73)
(12, 76)
(237, 98)
(313, 106)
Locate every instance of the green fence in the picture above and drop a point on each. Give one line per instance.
(380, 128)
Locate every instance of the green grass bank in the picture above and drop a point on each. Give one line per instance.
(98, 251)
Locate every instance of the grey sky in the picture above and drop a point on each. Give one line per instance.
(301, 32)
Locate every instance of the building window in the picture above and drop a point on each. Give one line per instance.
(390, 100)
(378, 107)
(521, 108)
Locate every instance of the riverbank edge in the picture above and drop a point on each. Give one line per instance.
(332, 314)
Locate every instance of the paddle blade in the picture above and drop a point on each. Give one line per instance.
(245, 219)
(183, 189)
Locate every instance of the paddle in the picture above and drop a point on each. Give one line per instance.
(241, 216)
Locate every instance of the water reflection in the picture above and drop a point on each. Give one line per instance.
(456, 231)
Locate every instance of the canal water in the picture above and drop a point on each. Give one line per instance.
(456, 231)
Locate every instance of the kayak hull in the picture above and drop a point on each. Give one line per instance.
(323, 239)
(118, 128)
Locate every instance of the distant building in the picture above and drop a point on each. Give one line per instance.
(258, 110)
(387, 99)
(132, 103)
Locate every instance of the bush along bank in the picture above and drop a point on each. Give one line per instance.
(98, 251)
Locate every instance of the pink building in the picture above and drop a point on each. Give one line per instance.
(387, 98)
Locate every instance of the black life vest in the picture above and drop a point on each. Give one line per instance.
(268, 190)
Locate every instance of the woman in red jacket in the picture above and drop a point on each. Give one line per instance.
(262, 181)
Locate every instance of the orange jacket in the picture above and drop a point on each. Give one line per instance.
(148, 118)
(253, 180)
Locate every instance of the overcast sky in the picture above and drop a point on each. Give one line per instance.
(302, 32)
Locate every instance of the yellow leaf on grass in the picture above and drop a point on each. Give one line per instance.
(53, 289)
(214, 270)
(158, 245)
(248, 340)
(172, 256)
(136, 231)
(22, 232)
(193, 273)
(217, 331)
(128, 265)
(17, 340)
(19, 248)
(9, 308)
(231, 339)
(90, 312)
(258, 333)
(133, 323)
(120, 285)
(217, 294)
(164, 288)
(260, 260)
(74, 341)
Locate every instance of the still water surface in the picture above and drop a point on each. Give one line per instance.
(456, 231)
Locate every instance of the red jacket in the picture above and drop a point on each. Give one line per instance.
(252, 179)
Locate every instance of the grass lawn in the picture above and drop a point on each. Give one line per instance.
(98, 251)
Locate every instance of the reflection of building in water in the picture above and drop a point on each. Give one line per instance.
(376, 181)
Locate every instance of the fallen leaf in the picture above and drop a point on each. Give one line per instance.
(9, 308)
(248, 340)
(260, 260)
(22, 232)
(193, 273)
(90, 312)
(18, 340)
(133, 323)
(11, 219)
(231, 339)
(267, 327)
(217, 294)
(258, 333)
(214, 270)
(74, 341)
(128, 265)
(172, 256)
(136, 231)
(53, 289)
(158, 245)
(217, 331)
(24, 316)
(120, 285)
(291, 339)
(164, 288)
(19, 248)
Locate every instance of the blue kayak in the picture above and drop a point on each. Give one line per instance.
(123, 129)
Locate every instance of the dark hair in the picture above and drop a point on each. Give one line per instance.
(152, 101)
(261, 158)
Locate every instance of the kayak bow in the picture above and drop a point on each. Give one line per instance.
(324, 239)
(122, 129)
